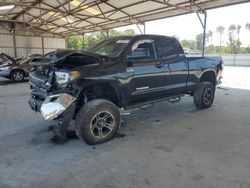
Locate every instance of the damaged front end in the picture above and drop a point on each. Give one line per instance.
(58, 109)
(53, 89)
(55, 105)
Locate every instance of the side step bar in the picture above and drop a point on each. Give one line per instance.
(172, 99)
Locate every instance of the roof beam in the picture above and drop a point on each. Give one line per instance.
(36, 2)
(64, 9)
(34, 29)
(70, 13)
(188, 9)
(127, 22)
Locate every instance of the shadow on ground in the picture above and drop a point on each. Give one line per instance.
(10, 82)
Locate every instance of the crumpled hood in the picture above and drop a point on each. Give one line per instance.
(5, 65)
(56, 57)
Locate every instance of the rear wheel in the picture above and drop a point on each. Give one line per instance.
(97, 121)
(204, 95)
(17, 75)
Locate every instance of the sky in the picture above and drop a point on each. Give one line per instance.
(188, 26)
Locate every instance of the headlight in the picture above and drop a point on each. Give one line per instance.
(64, 77)
(4, 68)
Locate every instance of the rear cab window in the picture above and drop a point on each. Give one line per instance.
(166, 47)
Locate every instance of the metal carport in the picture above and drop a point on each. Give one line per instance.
(61, 18)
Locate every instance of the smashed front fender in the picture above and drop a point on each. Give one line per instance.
(54, 105)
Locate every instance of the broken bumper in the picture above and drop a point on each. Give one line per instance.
(220, 80)
(35, 104)
(54, 105)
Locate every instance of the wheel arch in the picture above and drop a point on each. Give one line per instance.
(105, 90)
(209, 76)
(18, 69)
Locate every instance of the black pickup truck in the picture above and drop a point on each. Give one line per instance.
(121, 72)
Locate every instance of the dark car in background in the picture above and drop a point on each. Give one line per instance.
(15, 70)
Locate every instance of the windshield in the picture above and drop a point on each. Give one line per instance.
(24, 61)
(110, 47)
(4, 59)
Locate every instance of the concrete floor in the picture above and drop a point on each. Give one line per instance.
(170, 145)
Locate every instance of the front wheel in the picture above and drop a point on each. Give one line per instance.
(204, 95)
(97, 121)
(17, 75)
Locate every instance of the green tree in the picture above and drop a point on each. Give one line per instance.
(210, 36)
(238, 31)
(199, 40)
(210, 48)
(221, 30)
(247, 26)
(128, 32)
(76, 42)
(189, 44)
(248, 50)
(234, 44)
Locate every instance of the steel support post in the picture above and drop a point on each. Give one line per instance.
(144, 28)
(204, 25)
(139, 28)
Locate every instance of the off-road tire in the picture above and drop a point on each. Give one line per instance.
(204, 95)
(17, 75)
(84, 120)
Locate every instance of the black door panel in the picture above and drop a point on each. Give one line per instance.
(146, 82)
(176, 73)
(175, 66)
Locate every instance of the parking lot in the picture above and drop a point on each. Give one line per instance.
(166, 145)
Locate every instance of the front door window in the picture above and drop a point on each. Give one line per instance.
(142, 50)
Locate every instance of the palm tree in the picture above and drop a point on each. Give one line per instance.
(231, 29)
(248, 26)
(238, 31)
(210, 35)
(221, 30)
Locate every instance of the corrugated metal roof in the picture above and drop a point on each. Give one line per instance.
(66, 17)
